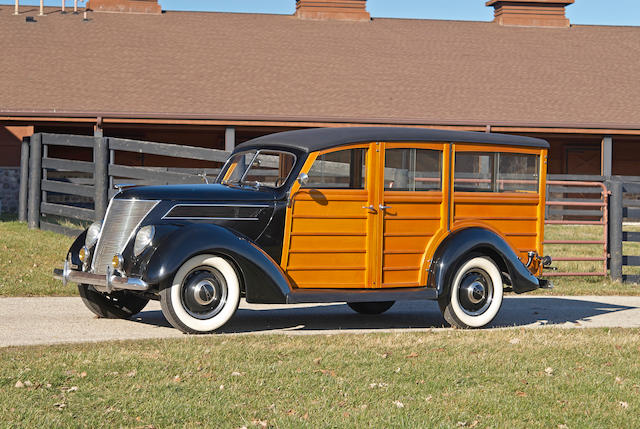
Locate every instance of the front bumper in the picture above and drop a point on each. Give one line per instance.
(102, 283)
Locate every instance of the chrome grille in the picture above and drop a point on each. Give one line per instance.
(120, 222)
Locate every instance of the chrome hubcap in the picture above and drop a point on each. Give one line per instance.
(475, 292)
(204, 292)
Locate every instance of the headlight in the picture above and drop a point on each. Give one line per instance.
(92, 234)
(144, 238)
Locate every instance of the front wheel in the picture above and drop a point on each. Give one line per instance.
(205, 293)
(475, 295)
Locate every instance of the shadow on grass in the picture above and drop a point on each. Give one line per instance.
(403, 315)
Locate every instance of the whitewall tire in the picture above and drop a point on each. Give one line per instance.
(475, 296)
(203, 296)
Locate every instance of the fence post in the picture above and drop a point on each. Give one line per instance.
(229, 139)
(615, 229)
(24, 180)
(101, 176)
(35, 179)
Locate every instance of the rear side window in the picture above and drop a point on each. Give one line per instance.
(474, 172)
(496, 172)
(517, 172)
(340, 169)
(412, 169)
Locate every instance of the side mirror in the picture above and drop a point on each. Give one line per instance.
(303, 179)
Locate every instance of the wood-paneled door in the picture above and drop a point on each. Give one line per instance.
(330, 226)
(413, 211)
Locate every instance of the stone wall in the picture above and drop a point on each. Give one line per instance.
(9, 189)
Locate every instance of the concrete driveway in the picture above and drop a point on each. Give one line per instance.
(28, 321)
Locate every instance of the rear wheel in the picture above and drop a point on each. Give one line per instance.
(205, 293)
(116, 305)
(475, 295)
(370, 307)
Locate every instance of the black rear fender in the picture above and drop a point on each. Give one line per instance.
(460, 245)
(261, 278)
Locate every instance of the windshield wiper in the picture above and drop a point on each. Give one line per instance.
(252, 183)
(235, 183)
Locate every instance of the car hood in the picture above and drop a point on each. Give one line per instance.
(200, 192)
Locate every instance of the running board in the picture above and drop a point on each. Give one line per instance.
(300, 296)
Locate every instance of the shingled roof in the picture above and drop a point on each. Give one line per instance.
(251, 66)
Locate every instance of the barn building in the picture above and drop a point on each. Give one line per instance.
(129, 69)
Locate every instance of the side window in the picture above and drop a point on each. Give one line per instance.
(412, 169)
(340, 169)
(518, 172)
(496, 172)
(473, 172)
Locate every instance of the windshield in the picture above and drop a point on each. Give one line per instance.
(258, 168)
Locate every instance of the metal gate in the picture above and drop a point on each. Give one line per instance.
(578, 205)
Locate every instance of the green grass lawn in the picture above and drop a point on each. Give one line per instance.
(515, 378)
(27, 258)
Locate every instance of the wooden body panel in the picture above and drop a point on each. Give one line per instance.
(408, 226)
(515, 221)
(328, 245)
(333, 241)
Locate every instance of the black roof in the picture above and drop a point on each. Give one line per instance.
(314, 139)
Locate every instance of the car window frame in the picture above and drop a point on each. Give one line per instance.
(462, 147)
(227, 170)
(311, 160)
(434, 146)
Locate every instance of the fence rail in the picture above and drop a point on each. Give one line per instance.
(79, 190)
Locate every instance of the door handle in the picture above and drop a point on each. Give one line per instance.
(384, 207)
(371, 207)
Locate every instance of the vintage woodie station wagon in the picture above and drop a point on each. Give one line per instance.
(366, 216)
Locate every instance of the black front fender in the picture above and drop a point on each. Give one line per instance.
(75, 248)
(263, 279)
(457, 247)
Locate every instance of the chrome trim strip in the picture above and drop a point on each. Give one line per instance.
(221, 205)
(212, 218)
(260, 206)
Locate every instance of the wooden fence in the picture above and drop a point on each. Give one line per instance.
(80, 190)
(625, 206)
